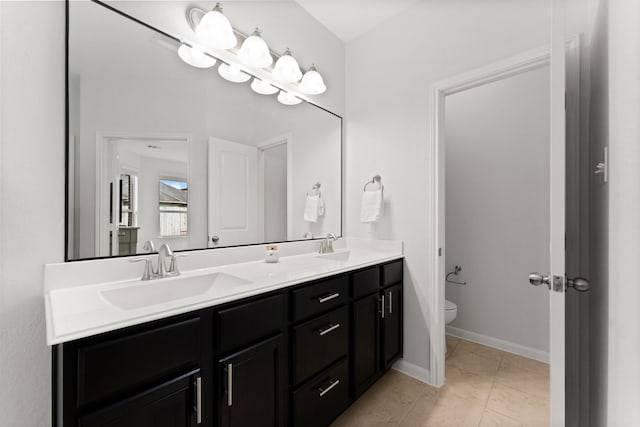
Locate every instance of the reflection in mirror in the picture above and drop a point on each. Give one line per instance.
(168, 153)
(173, 196)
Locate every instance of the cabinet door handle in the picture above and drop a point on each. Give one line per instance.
(328, 329)
(382, 305)
(390, 302)
(199, 400)
(230, 384)
(328, 297)
(332, 384)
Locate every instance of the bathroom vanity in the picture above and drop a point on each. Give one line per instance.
(289, 354)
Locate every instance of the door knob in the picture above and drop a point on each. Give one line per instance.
(537, 279)
(215, 239)
(580, 284)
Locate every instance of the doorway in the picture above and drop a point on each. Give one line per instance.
(496, 72)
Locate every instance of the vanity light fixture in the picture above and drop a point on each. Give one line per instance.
(233, 73)
(312, 82)
(287, 68)
(263, 87)
(216, 29)
(216, 39)
(195, 56)
(255, 52)
(287, 98)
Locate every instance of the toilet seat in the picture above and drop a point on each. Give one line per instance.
(448, 305)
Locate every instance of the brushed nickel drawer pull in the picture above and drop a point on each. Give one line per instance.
(324, 391)
(328, 297)
(382, 306)
(328, 329)
(390, 302)
(230, 384)
(199, 400)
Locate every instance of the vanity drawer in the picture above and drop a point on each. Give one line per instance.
(319, 297)
(123, 364)
(322, 398)
(392, 273)
(247, 323)
(319, 342)
(365, 282)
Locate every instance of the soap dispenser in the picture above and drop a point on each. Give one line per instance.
(272, 254)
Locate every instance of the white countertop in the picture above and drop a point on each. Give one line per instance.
(76, 306)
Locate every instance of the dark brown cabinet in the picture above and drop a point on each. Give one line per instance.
(291, 357)
(377, 324)
(252, 386)
(392, 326)
(174, 403)
(366, 342)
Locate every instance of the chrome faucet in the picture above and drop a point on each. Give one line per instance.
(326, 244)
(165, 254)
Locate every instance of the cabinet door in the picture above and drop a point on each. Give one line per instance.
(392, 326)
(251, 389)
(366, 343)
(176, 403)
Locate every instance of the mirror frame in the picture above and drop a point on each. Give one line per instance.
(67, 226)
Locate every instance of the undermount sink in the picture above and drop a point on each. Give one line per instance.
(337, 256)
(160, 291)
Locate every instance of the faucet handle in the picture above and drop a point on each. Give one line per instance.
(148, 267)
(173, 266)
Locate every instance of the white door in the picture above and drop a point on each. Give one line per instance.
(233, 199)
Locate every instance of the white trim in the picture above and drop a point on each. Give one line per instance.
(515, 65)
(508, 346)
(414, 371)
(102, 144)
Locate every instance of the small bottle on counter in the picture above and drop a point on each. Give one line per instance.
(272, 254)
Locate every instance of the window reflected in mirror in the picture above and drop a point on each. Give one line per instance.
(173, 199)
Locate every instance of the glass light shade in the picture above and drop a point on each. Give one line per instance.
(255, 52)
(216, 29)
(195, 56)
(287, 68)
(262, 87)
(312, 83)
(233, 73)
(288, 99)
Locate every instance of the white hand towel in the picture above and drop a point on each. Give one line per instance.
(311, 208)
(372, 206)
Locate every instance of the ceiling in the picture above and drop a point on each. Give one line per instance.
(348, 19)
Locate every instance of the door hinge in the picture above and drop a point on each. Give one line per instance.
(439, 251)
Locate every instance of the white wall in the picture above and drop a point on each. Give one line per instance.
(624, 214)
(497, 208)
(32, 203)
(389, 72)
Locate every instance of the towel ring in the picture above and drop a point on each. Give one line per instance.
(316, 188)
(375, 180)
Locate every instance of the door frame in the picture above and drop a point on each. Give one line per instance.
(285, 138)
(103, 169)
(518, 64)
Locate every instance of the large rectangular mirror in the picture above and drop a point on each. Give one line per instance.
(164, 152)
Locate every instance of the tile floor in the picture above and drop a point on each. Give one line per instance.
(485, 387)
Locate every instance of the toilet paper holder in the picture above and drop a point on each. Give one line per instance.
(457, 269)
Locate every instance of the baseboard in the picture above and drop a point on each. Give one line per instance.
(414, 371)
(521, 350)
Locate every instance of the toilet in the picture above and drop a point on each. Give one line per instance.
(450, 311)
